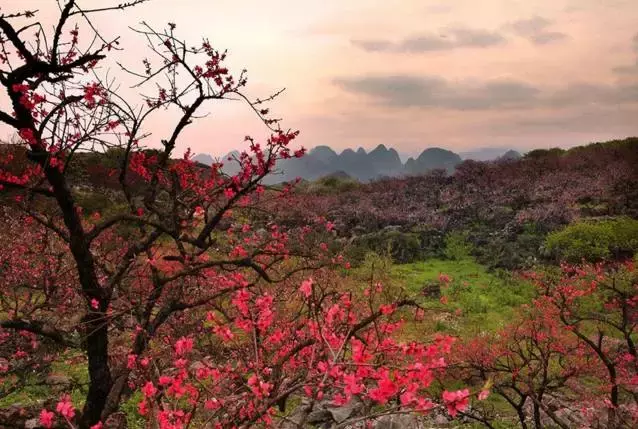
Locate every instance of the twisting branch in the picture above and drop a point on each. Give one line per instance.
(41, 329)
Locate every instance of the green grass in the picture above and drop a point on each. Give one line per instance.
(478, 300)
(35, 391)
(130, 408)
(30, 395)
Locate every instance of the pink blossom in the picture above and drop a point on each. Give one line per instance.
(444, 278)
(130, 361)
(386, 309)
(306, 287)
(65, 407)
(149, 389)
(229, 193)
(47, 418)
(456, 401)
(183, 346)
(385, 389)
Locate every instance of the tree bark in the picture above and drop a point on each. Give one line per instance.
(100, 380)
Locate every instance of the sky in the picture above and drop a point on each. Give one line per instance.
(411, 74)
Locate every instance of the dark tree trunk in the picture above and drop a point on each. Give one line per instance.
(612, 415)
(99, 371)
(95, 322)
(522, 418)
(537, 417)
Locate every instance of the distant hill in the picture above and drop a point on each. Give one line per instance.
(510, 155)
(322, 161)
(485, 154)
(433, 159)
(385, 162)
(203, 158)
(338, 175)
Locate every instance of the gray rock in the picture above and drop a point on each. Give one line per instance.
(440, 420)
(32, 424)
(432, 290)
(319, 416)
(116, 421)
(58, 380)
(340, 414)
(404, 421)
(390, 228)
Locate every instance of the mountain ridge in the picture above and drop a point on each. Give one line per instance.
(364, 166)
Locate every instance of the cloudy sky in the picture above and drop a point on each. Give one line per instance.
(411, 74)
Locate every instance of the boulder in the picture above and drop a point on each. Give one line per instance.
(33, 423)
(58, 381)
(116, 421)
(403, 421)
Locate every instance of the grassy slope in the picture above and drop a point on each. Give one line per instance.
(477, 300)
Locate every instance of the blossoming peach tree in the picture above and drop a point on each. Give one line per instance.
(179, 290)
(569, 359)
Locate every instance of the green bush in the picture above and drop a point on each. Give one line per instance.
(542, 153)
(333, 184)
(594, 241)
(93, 201)
(456, 246)
(510, 250)
(403, 247)
(130, 407)
(432, 241)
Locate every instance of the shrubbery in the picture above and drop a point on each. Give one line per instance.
(456, 246)
(403, 247)
(594, 241)
(333, 183)
(519, 249)
(418, 244)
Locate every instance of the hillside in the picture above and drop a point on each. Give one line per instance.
(500, 205)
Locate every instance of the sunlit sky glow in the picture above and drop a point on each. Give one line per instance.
(411, 74)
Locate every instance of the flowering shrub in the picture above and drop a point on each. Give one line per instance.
(572, 350)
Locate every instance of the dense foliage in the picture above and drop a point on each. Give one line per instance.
(595, 241)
